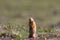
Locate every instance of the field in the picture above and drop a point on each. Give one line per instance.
(15, 14)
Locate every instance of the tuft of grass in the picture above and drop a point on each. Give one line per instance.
(17, 37)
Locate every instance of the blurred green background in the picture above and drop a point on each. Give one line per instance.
(19, 11)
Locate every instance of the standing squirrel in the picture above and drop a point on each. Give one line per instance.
(32, 28)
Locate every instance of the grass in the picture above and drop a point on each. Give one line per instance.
(20, 32)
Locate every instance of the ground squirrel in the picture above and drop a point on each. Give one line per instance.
(32, 28)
